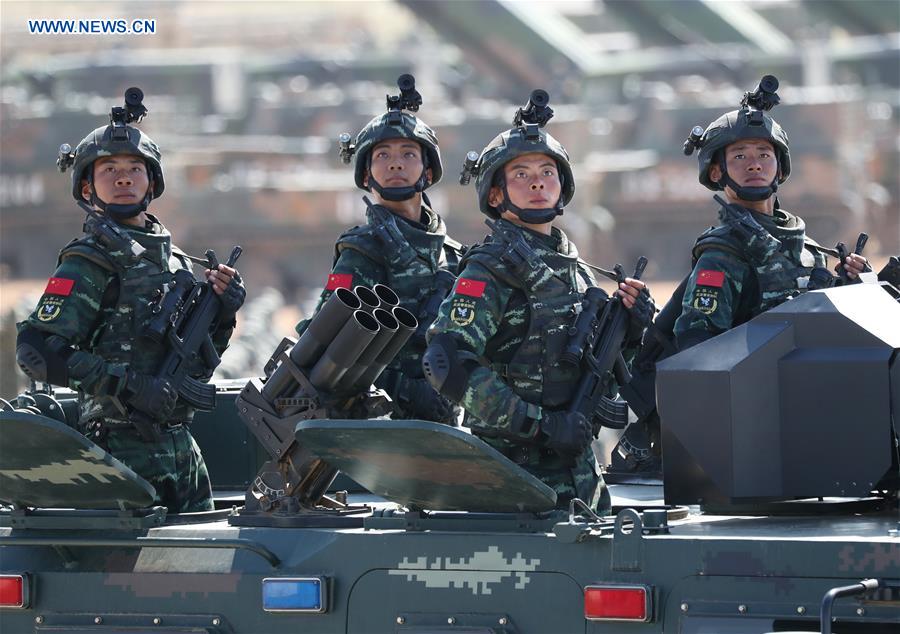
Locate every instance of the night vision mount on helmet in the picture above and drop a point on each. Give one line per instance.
(394, 124)
(116, 138)
(750, 122)
(525, 137)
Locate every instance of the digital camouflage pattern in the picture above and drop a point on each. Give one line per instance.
(734, 280)
(99, 301)
(173, 465)
(516, 320)
(362, 259)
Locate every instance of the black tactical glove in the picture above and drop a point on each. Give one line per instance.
(642, 314)
(232, 300)
(418, 399)
(150, 395)
(567, 433)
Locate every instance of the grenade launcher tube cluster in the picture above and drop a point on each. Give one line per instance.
(349, 342)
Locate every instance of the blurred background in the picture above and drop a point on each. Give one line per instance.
(247, 99)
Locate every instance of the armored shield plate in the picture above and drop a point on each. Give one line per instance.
(425, 465)
(796, 403)
(45, 463)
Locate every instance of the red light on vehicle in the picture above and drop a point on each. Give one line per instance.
(617, 603)
(13, 591)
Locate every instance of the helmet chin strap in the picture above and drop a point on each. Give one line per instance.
(529, 216)
(121, 212)
(752, 194)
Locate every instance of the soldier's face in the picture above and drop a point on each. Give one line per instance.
(118, 180)
(750, 162)
(396, 163)
(532, 182)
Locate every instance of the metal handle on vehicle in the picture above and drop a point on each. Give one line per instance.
(842, 591)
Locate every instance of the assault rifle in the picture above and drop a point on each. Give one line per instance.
(186, 317)
(596, 339)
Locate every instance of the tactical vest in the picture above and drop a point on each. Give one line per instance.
(410, 264)
(781, 267)
(553, 294)
(118, 339)
(534, 371)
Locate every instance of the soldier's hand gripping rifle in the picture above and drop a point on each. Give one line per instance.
(596, 340)
(821, 277)
(843, 254)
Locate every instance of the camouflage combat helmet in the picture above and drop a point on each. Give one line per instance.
(395, 124)
(525, 137)
(116, 138)
(750, 122)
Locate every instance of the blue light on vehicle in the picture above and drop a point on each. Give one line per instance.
(294, 594)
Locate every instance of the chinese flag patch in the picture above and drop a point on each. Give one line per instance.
(339, 280)
(711, 278)
(59, 286)
(472, 288)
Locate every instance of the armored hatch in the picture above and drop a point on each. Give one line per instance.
(45, 463)
(796, 403)
(425, 465)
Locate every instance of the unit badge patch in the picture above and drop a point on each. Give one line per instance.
(706, 300)
(462, 311)
(50, 308)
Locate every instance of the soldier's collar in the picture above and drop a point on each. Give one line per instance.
(788, 220)
(556, 241)
(564, 246)
(431, 221)
(153, 224)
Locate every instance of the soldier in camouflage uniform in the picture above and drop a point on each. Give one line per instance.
(88, 330)
(759, 255)
(495, 347)
(404, 245)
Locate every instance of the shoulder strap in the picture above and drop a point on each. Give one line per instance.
(454, 252)
(360, 238)
(86, 248)
(718, 238)
(585, 274)
(811, 245)
(185, 259)
(490, 256)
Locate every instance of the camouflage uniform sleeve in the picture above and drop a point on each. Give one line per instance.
(351, 269)
(70, 309)
(711, 297)
(472, 314)
(70, 305)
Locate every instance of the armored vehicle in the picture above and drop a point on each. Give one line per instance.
(778, 512)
